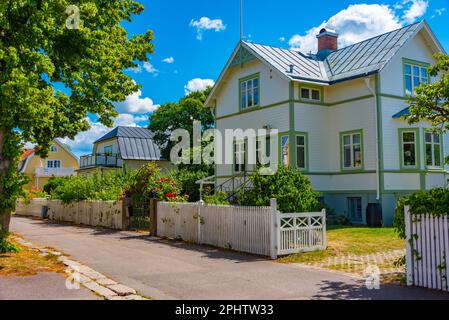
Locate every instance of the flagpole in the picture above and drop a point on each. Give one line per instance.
(241, 20)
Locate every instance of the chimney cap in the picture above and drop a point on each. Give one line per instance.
(327, 32)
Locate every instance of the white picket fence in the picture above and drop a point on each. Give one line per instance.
(427, 250)
(257, 230)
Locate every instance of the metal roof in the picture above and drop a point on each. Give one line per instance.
(356, 60)
(134, 143)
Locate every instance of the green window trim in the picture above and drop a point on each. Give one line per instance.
(280, 149)
(311, 87)
(245, 79)
(306, 150)
(441, 143)
(401, 132)
(413, 63)
(362, 156)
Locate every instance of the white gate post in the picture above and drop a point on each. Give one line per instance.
(200, 204)
(274, 228)
(323, 212)
(409, 246)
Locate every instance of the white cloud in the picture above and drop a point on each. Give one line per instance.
(134, 104)
(282, 39)
(198, 84)
(438, 12)
(150, 68)
(137, 69)
(83, 142)
(205, 24)
(416, 9)
(169, 60)
(359, 22)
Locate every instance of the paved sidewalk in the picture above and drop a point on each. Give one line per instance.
(175, 270)
(43, 286)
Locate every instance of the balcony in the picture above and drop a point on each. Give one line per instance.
(54, 172)
(101, 160)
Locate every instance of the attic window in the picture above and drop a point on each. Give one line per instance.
(249, 92)
(310, 94)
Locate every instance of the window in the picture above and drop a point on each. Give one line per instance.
(415, 74)
(285, 150)
(433, 150)
(249, 92)
(53, 164)
(108, 150)
(355, 208)
(54, 148)
(409, 148)
(239, 156)
(310, 94)
(352, 150)
(301, 151)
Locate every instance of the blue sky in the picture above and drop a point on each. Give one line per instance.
(194, 38)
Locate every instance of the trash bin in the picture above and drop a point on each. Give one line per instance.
(374, 218)
(44, 212)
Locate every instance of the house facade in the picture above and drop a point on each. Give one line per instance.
(130, 147)
(61, 162)
(339, 116)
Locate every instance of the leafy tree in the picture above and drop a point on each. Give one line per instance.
(293, 191)
(43, 47)
(180, 115)
(431, 102)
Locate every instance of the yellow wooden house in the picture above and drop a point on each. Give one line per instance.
(61, 162)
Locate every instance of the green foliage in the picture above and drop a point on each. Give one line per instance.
(435, 201)
(431, 102)
(293, 191)
(5, 245)
(219, 198)
(37, 51)
(180, 115)
(98, 186)
(53, 183)
(149, 182)
(187, 182)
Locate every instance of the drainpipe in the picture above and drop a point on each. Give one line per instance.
(368, 85)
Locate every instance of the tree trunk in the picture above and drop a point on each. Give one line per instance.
(5, 215)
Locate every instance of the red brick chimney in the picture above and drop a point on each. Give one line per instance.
(327, 40)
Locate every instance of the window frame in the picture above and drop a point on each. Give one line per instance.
(241, 166)
(305, 135)
(281, 150)
(413, 63)
(53, 162)
(342, 145)
(349, 215)
(107, 147)
(54, 148)
(417, 142)
(311, 88)
(247, 79)
(441, 144)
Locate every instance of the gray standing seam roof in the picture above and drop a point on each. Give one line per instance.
(356, 60)
(134, 143)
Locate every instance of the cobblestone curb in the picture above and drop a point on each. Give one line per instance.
(85, 276)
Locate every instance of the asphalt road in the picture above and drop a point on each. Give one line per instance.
(174, 270)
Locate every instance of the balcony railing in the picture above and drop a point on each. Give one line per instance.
(57, 172)
(101, 160)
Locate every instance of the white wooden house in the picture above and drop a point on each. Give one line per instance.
(339, 112)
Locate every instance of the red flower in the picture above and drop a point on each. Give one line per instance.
(170, 195)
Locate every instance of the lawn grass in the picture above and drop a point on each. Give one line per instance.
(28, 262)
(346, 241)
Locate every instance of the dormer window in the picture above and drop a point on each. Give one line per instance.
(249, 92)
(310, 94)
(415, 74)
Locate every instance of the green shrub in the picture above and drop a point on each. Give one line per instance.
(219, 198)
(435, 201)
(98, 186)
(187, 182)
(53, 183)
(5, 245)
(293, 191)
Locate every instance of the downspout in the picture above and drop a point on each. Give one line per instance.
(368, 85)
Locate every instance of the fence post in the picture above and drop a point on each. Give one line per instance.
(274, 226)
(153, 217)
(409, 246)
(125, 214)
(200, 204)
(324, 229)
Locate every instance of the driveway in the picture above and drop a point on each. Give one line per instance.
(174, 270)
